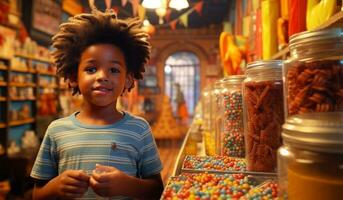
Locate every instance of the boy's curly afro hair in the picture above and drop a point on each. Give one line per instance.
(85, 29)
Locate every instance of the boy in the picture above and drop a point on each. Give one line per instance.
(99, 150)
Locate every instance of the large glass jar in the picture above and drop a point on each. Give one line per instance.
(230, 114)
(263, 114)
(314, 73)
(206, 125)
(311, 158)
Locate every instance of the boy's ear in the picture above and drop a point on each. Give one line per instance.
(128, 81)
(73, 84)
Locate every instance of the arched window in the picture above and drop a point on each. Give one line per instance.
(183, 68)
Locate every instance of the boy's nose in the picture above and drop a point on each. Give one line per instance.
(102, 75)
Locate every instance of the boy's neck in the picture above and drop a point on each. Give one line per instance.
(100, 116)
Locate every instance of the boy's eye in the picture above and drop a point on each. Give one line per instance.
(90, 70)
(114, 70)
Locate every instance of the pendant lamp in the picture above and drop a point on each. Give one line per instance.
(178, 4)
(152, 4)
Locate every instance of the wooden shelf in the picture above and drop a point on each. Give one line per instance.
(3, 83)
(22, 84)
(22, 122)
(47, 73)
(23, 70)
(34, 58)
(2, 67)
(48, 86)
(2, 125)
(334, 21)
(23, 99)
(3, 98)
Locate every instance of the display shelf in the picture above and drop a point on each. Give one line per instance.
(22, 122)
(46, 73)
(48, 86)
(22, 84)
(33, 58)
(2, 125)
(22, 99)
(2, 67)
(3, 99)
(23, 70)
(335, 21)
(3, 83)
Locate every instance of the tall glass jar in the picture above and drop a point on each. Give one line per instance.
(206, 126)
(311, 158)
(314, 73)
(230, 113)
(263, 114)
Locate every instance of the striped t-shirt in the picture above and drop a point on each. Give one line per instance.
(127, 145)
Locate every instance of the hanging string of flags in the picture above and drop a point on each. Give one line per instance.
(139, 10)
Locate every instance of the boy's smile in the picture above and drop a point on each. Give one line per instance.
(102, 75)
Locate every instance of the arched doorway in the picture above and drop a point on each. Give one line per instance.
(183, 68)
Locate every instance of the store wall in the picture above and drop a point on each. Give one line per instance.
(202, 42)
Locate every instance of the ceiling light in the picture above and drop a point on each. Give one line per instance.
(152, 4)
(178, 4)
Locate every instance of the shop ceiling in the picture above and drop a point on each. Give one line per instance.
(213, 12)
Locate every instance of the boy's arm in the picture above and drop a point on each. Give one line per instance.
(43, 190)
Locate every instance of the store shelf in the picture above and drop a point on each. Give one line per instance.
(47, 73)
(2, 67)
(3, 83)
(23, 70)
(334, 21)
(23, 84)
(23, 99)
(3, 98)
(2, 125)
(48, 86)
(34, 58)
(22, 122)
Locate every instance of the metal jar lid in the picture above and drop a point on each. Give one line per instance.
(314, 36)
(321, 132)
(232, 79)
(277, 64)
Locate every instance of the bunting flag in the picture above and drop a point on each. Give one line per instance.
(141, 12)
(198, 7)
(135, 4)
(173, 24)
(167, 16)
(184, 19)
(108, 4)
(123, 3)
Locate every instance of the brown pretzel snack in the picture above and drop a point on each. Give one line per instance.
(264, 107)
(314, 87)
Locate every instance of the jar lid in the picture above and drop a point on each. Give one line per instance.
(265, 63)
(310, 36)
(315, 131)
(232, 79)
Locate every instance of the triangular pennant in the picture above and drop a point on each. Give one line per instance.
(108, 4)
(123, 3)
(184, 19)
(141, 12)
(167, 16)
(135, 4)
(173, 24)
(198, 7)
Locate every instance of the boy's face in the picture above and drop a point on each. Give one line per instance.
(102, 74)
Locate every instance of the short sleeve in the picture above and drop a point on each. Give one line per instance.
(45, 166)
(150, 163)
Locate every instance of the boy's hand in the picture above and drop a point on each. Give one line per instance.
(71, 184)
(107, 181)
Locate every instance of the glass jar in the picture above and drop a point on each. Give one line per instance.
(208, 138)
(311, 158)
(314, 74)
(230, 114)
(263, 114)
